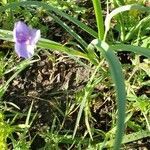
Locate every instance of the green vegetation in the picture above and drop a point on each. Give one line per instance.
(87, 85)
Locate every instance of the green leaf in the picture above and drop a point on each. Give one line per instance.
(118, 79)
(136, 49)
(99, 18)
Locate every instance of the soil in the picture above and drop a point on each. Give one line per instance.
(50, 85)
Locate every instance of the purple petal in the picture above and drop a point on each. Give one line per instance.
(24, 50)
(34, 36)
(25, 39)
(21, 32)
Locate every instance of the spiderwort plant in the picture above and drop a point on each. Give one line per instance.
(25, 39)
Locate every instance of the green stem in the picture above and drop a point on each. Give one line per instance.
(99, 18)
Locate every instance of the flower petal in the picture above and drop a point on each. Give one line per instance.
(24, 50)
(21, 32)
(34, 36)
(25, 39)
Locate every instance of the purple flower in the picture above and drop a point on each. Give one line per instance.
(25, 39)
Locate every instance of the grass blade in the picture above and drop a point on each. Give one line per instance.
(70, 31)
(20, 67)
(84, 105)
(27, 122)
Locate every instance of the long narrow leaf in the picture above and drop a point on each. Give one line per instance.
(70, 31)
(131, 48)
(99, 18)
(118, 79)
